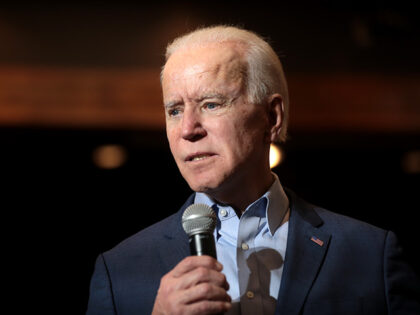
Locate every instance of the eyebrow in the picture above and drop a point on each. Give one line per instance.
(211, 95)
(200, 99)
(172, 104)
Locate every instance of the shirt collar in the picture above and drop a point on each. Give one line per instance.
(278, 205)
(276, 209)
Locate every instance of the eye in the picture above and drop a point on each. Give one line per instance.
(173, 112)
(211, 105)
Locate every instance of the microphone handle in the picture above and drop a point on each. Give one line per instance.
(202, 244)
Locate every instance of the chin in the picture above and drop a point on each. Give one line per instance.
(210, 186)
(203, 185)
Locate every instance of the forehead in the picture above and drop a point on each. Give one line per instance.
(218, 60)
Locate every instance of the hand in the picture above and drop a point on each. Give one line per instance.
(195, 286)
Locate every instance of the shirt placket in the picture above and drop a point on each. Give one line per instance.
(250, 293)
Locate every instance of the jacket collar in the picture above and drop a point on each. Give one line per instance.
(275, 209)
(177, 239)
(306, 248)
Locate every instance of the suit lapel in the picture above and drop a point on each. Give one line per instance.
(306, 249)
(177, 240)
(305, 252)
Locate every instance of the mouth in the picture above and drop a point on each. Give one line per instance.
(198, 157)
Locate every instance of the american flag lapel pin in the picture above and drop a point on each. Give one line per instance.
(317, 240)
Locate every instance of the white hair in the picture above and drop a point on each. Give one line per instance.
(265, 74)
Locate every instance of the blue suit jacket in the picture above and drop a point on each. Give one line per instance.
(355, 268)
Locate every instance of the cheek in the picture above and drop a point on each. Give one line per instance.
(248, 142)
(233, 139)
(249, 130)
(171, 136)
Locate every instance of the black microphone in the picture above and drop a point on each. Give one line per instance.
(199, 222)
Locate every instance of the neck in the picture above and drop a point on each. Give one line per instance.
(249, 191)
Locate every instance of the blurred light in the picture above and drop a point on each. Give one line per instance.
(276, 155)
(361, 33)
(109, 156)
(411, 162)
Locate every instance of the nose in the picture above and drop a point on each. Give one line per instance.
(192, 128)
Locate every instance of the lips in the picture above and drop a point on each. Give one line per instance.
(199, 156)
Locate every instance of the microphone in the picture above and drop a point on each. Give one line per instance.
(199, 222)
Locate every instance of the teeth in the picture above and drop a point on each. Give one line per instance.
(200, 157)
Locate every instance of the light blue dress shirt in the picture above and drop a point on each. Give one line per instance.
(252, 249)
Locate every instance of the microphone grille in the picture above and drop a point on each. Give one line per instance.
(198, 218)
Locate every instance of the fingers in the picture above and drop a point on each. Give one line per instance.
(198, 269)
(195, 286)
(204, 298)
(204, 275)
(195, 270)
(192, 262)
(204, 291)
(209, 307)
(198, 308)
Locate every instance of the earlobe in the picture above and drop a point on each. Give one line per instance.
(276, 109)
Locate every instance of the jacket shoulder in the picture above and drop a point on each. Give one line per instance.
(329, 221)
(340, 222)
(145, 238)
(152, 238)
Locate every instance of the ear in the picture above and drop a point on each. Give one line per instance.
(275, 114)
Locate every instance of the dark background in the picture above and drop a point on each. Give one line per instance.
(60, 210)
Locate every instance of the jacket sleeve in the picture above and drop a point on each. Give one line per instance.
(101, 301)
(401, 282)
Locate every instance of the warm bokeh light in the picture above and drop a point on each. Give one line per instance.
(109, 156)
(411, 162)
(276, 155)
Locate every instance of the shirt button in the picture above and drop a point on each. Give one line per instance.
(244, 246)
(223, 212)
(250, 294)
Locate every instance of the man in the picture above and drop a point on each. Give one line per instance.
(225, 99)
